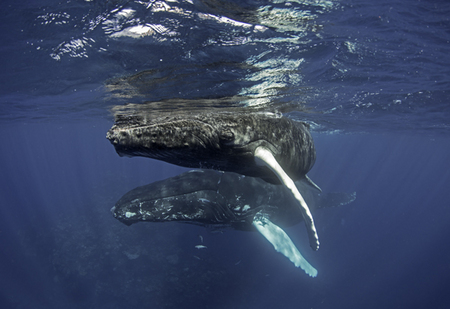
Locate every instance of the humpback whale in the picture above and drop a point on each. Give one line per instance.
(265, 145)
(223, 199)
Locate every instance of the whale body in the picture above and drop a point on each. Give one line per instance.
(218, 200)
(222, 141)
(265, 145)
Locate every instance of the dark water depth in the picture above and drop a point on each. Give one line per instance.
(371, 78)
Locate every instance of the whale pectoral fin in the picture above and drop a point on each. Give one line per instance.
(264, 157)
(282, 243)
(312, 183)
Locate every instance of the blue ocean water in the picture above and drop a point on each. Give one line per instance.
(371, 78)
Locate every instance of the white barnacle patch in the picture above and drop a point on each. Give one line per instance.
(241, 208)
(241, 139)
(129, 214)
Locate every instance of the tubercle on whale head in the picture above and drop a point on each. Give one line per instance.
(212, 131)
(163, 136)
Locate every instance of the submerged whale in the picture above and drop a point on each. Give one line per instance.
(265, 145)
(217, 199)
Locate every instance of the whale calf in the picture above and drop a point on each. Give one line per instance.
(223, 199)
(265, 145)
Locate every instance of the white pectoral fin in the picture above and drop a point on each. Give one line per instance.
(264, 157)
(312, 183)
(282, 243)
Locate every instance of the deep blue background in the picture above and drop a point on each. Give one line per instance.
(371, 78)
(61, 246)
